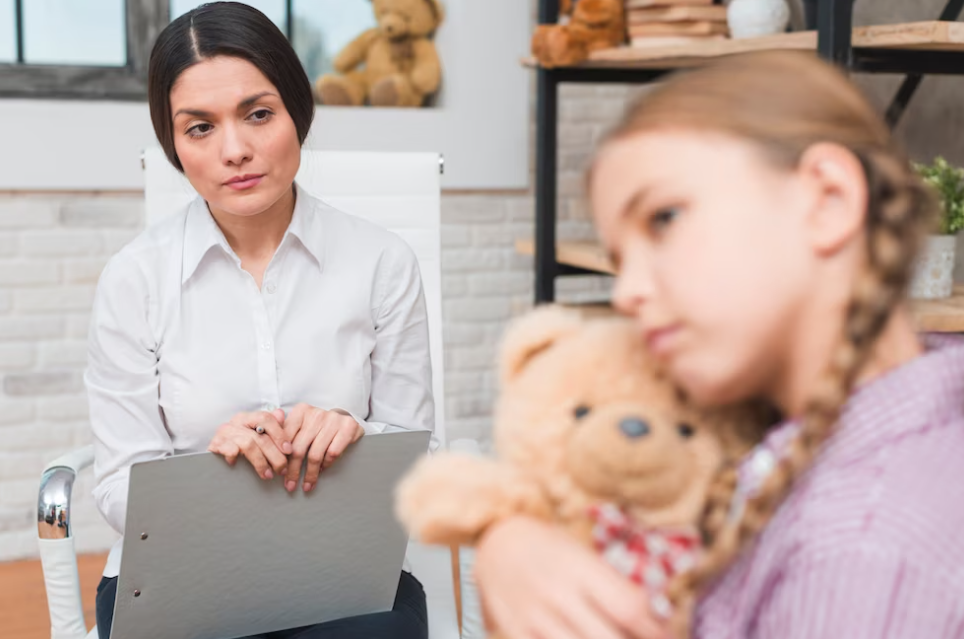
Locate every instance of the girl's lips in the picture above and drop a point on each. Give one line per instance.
(661, 340)
(249, 182)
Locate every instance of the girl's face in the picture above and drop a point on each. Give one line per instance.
(235, 139)
(707, 240)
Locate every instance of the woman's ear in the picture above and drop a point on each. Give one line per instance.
(836, 179)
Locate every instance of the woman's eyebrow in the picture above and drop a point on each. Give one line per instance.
(243, 104)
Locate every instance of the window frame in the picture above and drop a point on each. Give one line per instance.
(145, 19)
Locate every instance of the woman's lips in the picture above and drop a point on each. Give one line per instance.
(245, 182)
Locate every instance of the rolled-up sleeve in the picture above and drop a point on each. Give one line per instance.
(863, 593)
(122, 386)
(401, 384)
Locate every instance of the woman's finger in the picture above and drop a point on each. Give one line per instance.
(295, 421)
(346, 435)
(275, 458)
(253, 453)
(316, 455)
(225, 448)
(299, 451)
(272, 428)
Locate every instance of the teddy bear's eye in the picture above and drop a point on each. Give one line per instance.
(581, 411)
(685, 430)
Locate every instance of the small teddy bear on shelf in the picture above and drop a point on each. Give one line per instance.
(589, 435)
(394, 64)
(591, 25)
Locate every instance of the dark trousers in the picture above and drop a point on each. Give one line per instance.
(408, 618)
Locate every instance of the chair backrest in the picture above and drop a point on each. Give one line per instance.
(399, 191)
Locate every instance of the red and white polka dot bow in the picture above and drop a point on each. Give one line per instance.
(649, 557)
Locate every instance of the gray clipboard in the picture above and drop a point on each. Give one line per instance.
(214, 552)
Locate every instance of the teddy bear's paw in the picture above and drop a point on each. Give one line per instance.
(451, 498)
(334, 91)
(565, 47)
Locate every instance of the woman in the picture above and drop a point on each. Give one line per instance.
(259, 322)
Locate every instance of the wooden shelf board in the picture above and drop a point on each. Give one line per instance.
(929, 36)
(937, 316)
(587, 255)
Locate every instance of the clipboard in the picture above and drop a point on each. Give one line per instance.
(214, 552)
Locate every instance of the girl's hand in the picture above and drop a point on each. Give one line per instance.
(536, 582)
(319, 435)
(266, 451)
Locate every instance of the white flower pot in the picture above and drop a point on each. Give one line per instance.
(755, 18)
(934, 272)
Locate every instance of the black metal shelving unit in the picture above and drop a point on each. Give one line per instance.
(833, 20)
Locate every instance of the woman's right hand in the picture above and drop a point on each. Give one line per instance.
(536, 581)
(267, 452)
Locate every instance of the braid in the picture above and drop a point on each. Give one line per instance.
(897, 219)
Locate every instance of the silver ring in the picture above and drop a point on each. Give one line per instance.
(259, 429)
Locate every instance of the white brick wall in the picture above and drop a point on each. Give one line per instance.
(52, 249)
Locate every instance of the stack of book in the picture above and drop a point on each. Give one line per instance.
(674, 22)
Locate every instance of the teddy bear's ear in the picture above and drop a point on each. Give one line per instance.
(533, 333)
(439, 10)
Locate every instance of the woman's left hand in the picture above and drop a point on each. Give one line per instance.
(320, 436)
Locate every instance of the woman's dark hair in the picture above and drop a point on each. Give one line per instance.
(225, 29)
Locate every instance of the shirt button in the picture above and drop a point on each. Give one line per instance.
(270, 287)
(270, 407)
(266, 346)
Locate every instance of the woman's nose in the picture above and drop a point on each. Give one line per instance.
(234, 147)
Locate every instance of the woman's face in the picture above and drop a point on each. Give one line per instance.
(707, 239)
(235, 139)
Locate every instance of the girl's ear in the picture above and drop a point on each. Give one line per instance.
(838, 183)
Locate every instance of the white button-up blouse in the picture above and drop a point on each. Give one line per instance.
(181, 338)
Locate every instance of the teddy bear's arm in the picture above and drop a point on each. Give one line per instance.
(452, 498)
(354, 52)
(427, 73)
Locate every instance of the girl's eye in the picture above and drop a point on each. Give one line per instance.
(199, 130)
(261, 115)
(581, 411)
(662, 219)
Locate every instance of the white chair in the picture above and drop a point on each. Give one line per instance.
(401, 192)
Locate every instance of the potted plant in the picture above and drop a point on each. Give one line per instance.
(934, 271)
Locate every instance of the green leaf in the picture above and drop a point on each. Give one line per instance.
(948, 182)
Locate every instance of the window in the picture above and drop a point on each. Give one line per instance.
(65, 48)
(100, 48)
(318, 29)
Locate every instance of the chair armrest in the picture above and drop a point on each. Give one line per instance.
(57, 553)
(56, 486)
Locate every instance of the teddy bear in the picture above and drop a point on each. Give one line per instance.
(591, 435)
(401, 64)
(592, 25)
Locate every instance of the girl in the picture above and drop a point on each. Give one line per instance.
(764, 227)
(259, 322)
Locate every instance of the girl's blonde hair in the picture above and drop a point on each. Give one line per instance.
(785, 102)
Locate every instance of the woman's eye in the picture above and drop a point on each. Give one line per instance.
(260, 115)
(581, 411)
(199, 130)
(685, 430)
(661, 220)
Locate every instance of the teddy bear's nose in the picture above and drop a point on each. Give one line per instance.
(634, 427)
